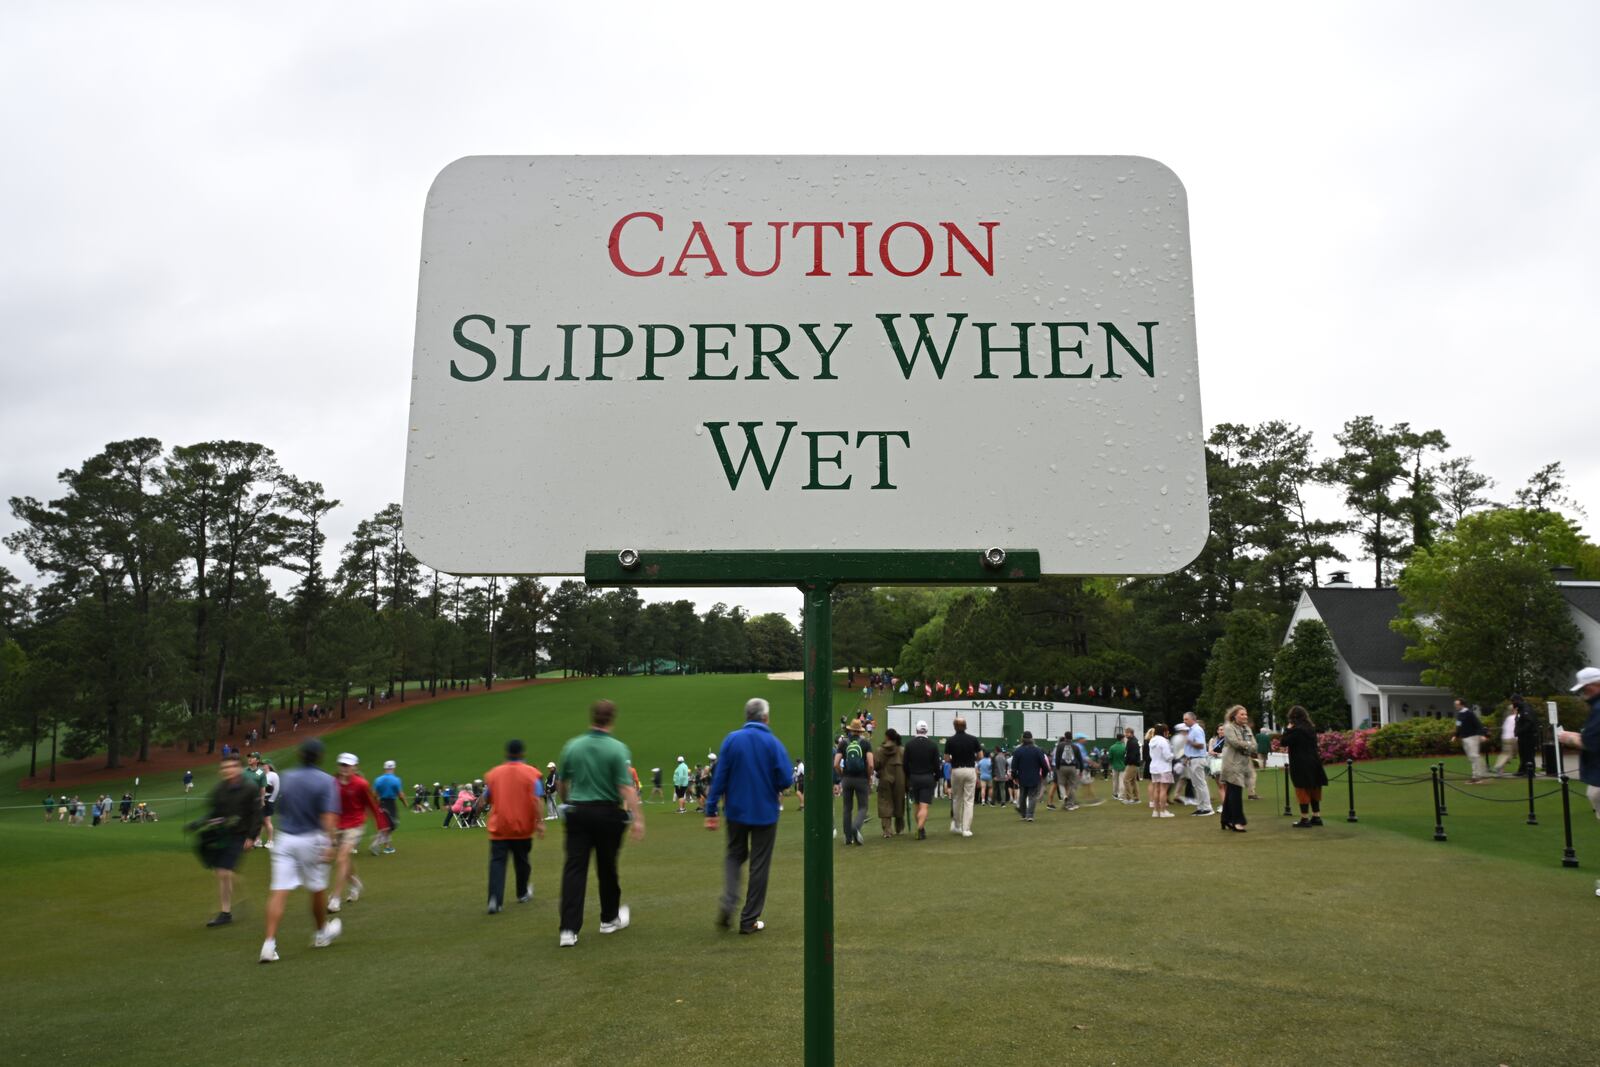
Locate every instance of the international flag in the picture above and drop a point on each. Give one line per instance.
(983, 688)
(904, 687)
(927, 690)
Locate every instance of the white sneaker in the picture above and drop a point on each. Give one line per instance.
(1150, 804)
(1168, 815)
(325, 936)
(524, 898)
(966, 833)
(568, 939)
(355, 890)
(269, 951)
(373, 848)
(619, 923)
(334, 905)
(1155, 815)
(953, 827)
(267, 845)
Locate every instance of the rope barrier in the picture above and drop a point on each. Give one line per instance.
(1392, 779)
(1499, 800)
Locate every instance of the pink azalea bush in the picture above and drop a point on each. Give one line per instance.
(1336, 746)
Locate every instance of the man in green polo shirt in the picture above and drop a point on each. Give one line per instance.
(1118, 755)
(595, 786)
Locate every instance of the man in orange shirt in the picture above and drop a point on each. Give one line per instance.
(515, 818)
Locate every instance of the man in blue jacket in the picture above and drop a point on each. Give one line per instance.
(752, 770)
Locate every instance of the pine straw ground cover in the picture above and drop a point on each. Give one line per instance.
(1100, 936)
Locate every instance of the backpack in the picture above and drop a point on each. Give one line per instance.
(855, 759)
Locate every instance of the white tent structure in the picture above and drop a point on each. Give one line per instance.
(986, 718)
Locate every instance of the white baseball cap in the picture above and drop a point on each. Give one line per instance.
(348, 759)
(922, 726)
(1587, 676)
(680, 759)
(388, 765)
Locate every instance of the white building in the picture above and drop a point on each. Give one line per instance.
(1382, 686)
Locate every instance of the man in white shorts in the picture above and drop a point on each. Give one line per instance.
(308, 810)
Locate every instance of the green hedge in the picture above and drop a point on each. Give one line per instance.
(1431, 737)
(1413, 737)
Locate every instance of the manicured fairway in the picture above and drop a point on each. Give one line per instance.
(1100, 936)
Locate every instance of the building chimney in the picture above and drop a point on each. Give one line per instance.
(1339, 580)
(1564, 573)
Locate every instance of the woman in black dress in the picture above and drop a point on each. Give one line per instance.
(1305, 765)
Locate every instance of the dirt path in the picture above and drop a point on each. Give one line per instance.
(91, 769)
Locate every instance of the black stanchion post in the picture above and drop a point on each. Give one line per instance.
(1286, 789)
(1569, 858)
(1438, 805)
(1533, 820)
(1350, 780)
(1444, 808)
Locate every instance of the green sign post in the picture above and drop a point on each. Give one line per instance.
(816, 574)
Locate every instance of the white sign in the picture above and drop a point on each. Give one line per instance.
(692, 353)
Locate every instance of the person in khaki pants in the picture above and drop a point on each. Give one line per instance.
(963, 750)
(1135, 760)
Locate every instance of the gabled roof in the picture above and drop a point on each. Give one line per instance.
(1358, 621)
(1586, 598)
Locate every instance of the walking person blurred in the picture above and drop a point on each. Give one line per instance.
(921, 761)
(752, 771)
(1193, 736)
(1508, 737)
(680, 785)
(513, 792)
(1117, 757)
(1470, 732)
(1530, 731)
(853, 761)
(890, 761)
(1306, 773)
(1587, 741)
(1133, 757)
(1158, 757)
(356, 799)
(1029, 768)
(1067, 770)
(387, 787)
(1238, 747)
(1000, 772)
(308, 813)
(598, 795)
(963, 750)
(228, 830)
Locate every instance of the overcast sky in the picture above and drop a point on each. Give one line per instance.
(211, 213)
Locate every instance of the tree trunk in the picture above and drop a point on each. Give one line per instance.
(53, 728)
(113, 737)
(33, 747)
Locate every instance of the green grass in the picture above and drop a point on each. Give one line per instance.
(1165, 941)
